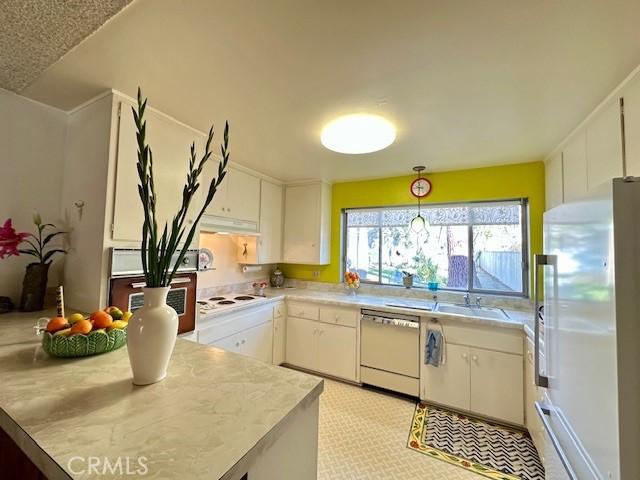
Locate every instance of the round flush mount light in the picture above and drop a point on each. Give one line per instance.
(358, 133)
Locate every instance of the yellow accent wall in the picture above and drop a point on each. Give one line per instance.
(523, 180)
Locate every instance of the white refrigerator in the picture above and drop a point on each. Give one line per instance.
(588, 338)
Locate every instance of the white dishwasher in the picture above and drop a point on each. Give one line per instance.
(390, 351)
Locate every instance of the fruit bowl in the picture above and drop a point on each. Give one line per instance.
(94, 343)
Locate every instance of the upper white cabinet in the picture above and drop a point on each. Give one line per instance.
(553, 182)
(631, 97)
(307, 223)
(604, 145)
(169, 141)
(238, 197)
(271, 211)
(574, 167)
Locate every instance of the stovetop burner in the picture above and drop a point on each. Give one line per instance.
(216, 299)
(226, 302)
(244, 297)
(201, 302)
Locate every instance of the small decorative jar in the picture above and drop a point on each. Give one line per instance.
(277, 278)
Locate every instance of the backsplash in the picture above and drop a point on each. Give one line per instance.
(442, 296)
(227, 272)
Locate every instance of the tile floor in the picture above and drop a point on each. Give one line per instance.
(363, 435)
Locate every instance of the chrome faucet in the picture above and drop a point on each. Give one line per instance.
(467, 300)
(478, 300)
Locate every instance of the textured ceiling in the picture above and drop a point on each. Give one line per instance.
(468, 83)
(34, 34)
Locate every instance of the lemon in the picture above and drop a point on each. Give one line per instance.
(63, 333)
(126, 316)
(120, 324)
(75, 317)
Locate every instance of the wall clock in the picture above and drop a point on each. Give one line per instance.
(420, 187)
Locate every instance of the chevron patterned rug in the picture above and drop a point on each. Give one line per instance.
(492, 450)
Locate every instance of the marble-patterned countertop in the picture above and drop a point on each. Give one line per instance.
(214, 409)
(401, 305)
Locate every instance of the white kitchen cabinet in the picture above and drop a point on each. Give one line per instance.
(336, 351)
(255, 342)
(631, 97)
(307, 224)
(301, 347)
(169, 140)
(449, 384)
(574, 167)
(327, 348)
(496, 385)
(553, 182)
(238, 197)
(267, 247)
(271, 212)
(482, 374)
(531, 396)
(604, 145)
(279, 334)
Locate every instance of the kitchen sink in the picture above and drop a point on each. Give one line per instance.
(473, 311)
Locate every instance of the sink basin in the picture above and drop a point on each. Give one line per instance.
(478, 312)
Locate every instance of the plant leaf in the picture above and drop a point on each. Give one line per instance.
(49, 237)
(50, 253)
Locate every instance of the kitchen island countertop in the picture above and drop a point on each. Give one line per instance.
(207, 419)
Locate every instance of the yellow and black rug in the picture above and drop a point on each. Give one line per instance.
(488, 449)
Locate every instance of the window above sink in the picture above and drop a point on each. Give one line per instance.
(471, 247)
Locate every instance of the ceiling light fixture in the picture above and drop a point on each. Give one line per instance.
(358, 133)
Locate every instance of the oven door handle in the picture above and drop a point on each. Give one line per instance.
(175, 281)
(394, 322)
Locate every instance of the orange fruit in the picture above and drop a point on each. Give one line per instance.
(56, 323)
(101, 319)
(81, 326)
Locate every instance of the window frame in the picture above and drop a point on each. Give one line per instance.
(524, 208)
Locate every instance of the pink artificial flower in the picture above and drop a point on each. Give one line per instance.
(10, 240)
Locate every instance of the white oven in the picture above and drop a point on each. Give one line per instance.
(390, 351)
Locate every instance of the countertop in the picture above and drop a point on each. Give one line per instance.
(516, 319)
(214, 411)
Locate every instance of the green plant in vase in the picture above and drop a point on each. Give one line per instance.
(152, 329)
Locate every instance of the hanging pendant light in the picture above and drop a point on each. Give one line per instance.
(420, 188)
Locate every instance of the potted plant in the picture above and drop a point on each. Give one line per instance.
(34, 285)
(153, 328)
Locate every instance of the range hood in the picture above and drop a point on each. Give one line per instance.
(215, 224)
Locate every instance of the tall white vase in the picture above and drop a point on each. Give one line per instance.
(151, 336)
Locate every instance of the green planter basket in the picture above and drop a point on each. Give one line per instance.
(94, 343)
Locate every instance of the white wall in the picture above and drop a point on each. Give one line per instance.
(32, 138)
(227, 270)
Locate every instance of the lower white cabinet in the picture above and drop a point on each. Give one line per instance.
(449, 384)
(496, 385)
(482, 374)
(256, 342)
(279, 334)
(322, 347)
(248, 332)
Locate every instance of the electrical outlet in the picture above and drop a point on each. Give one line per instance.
(315, 273)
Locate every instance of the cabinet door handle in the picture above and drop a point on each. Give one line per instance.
(315, 331)
(321, 332)
(237, 344)
(243, 342)
(475, 358)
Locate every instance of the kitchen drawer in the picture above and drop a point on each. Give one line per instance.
(491, 338)
(279, 310)
(304, 310)
(340, 316)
